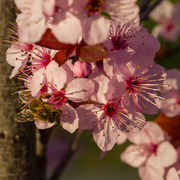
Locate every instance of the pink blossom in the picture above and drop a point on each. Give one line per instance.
(139, 76)
(32, 21)
(171, 105)
(167, 15)
(81, 69)
(130, 35)
(107, 116)
(78, 90)
(86, 18)
(17, 55)
(61, 89)
(150, 149)
(41, 57)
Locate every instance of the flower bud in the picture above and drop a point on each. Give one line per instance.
(81, 69)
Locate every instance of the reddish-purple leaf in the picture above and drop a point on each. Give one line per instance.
(170, 125)
(49, 40)
(62, 55)
(91, 53)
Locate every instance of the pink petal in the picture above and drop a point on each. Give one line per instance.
(122, 138)
(170, 107)
(69, 119)
(101, 87)
(105, 136)
(167, 154)
(152, 170)
(143, 58)
(62, 27)
(31, 31)
(87, 118)
(123, 62)
(36, 82)
(173, 79)
(175, 13)
(53, 72)
(43, 124)
(134, 155)
(49, 7)
(68, 68)
(164, 9)
(80, 89)
(172, 174)
(95, 30)
(146, 39)
(116, 87)
(150, 133)
(23, 5)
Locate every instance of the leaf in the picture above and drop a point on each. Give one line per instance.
(91, 53)
(61, 56)
(106, 15)
(48, 40)
(170, 125)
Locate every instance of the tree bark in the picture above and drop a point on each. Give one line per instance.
(17, 140)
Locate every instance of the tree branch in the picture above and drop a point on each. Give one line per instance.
(144, 14)
(73, 146)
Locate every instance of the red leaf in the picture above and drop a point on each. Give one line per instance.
(62, 55)
(49, 40)
(91, 53)
(170, 125)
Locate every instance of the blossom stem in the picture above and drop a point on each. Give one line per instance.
(144, 14)
(73, 146)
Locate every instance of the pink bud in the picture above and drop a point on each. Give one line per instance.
(81, 69)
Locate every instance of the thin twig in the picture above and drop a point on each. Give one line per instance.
(144, 5)
(73, 146)
(145, 13)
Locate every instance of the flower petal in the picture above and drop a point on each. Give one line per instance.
(80, 89)
(69, 119)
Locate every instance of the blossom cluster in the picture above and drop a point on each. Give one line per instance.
(108, 78)
(152, 153)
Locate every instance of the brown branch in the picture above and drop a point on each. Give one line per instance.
(145, 13)
(73, 146)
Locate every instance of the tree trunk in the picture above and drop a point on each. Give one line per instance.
(17, 140)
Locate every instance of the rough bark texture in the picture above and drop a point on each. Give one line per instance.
(17, 140)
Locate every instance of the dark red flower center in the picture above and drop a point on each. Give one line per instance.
(94, 6)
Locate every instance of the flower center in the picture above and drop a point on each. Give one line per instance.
(132, 84)
(58, 98)
(118, 43)
(110, 109)
(151, 148)
(94, 6)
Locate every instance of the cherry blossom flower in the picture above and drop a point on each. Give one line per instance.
(41, 57)
(171, 105)
(107, 116)
(17, 55)
(153, 170)
(150, 152)
(130, 35)
(32, 21)
(139, 76)
(61, 86)
(167, 15)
